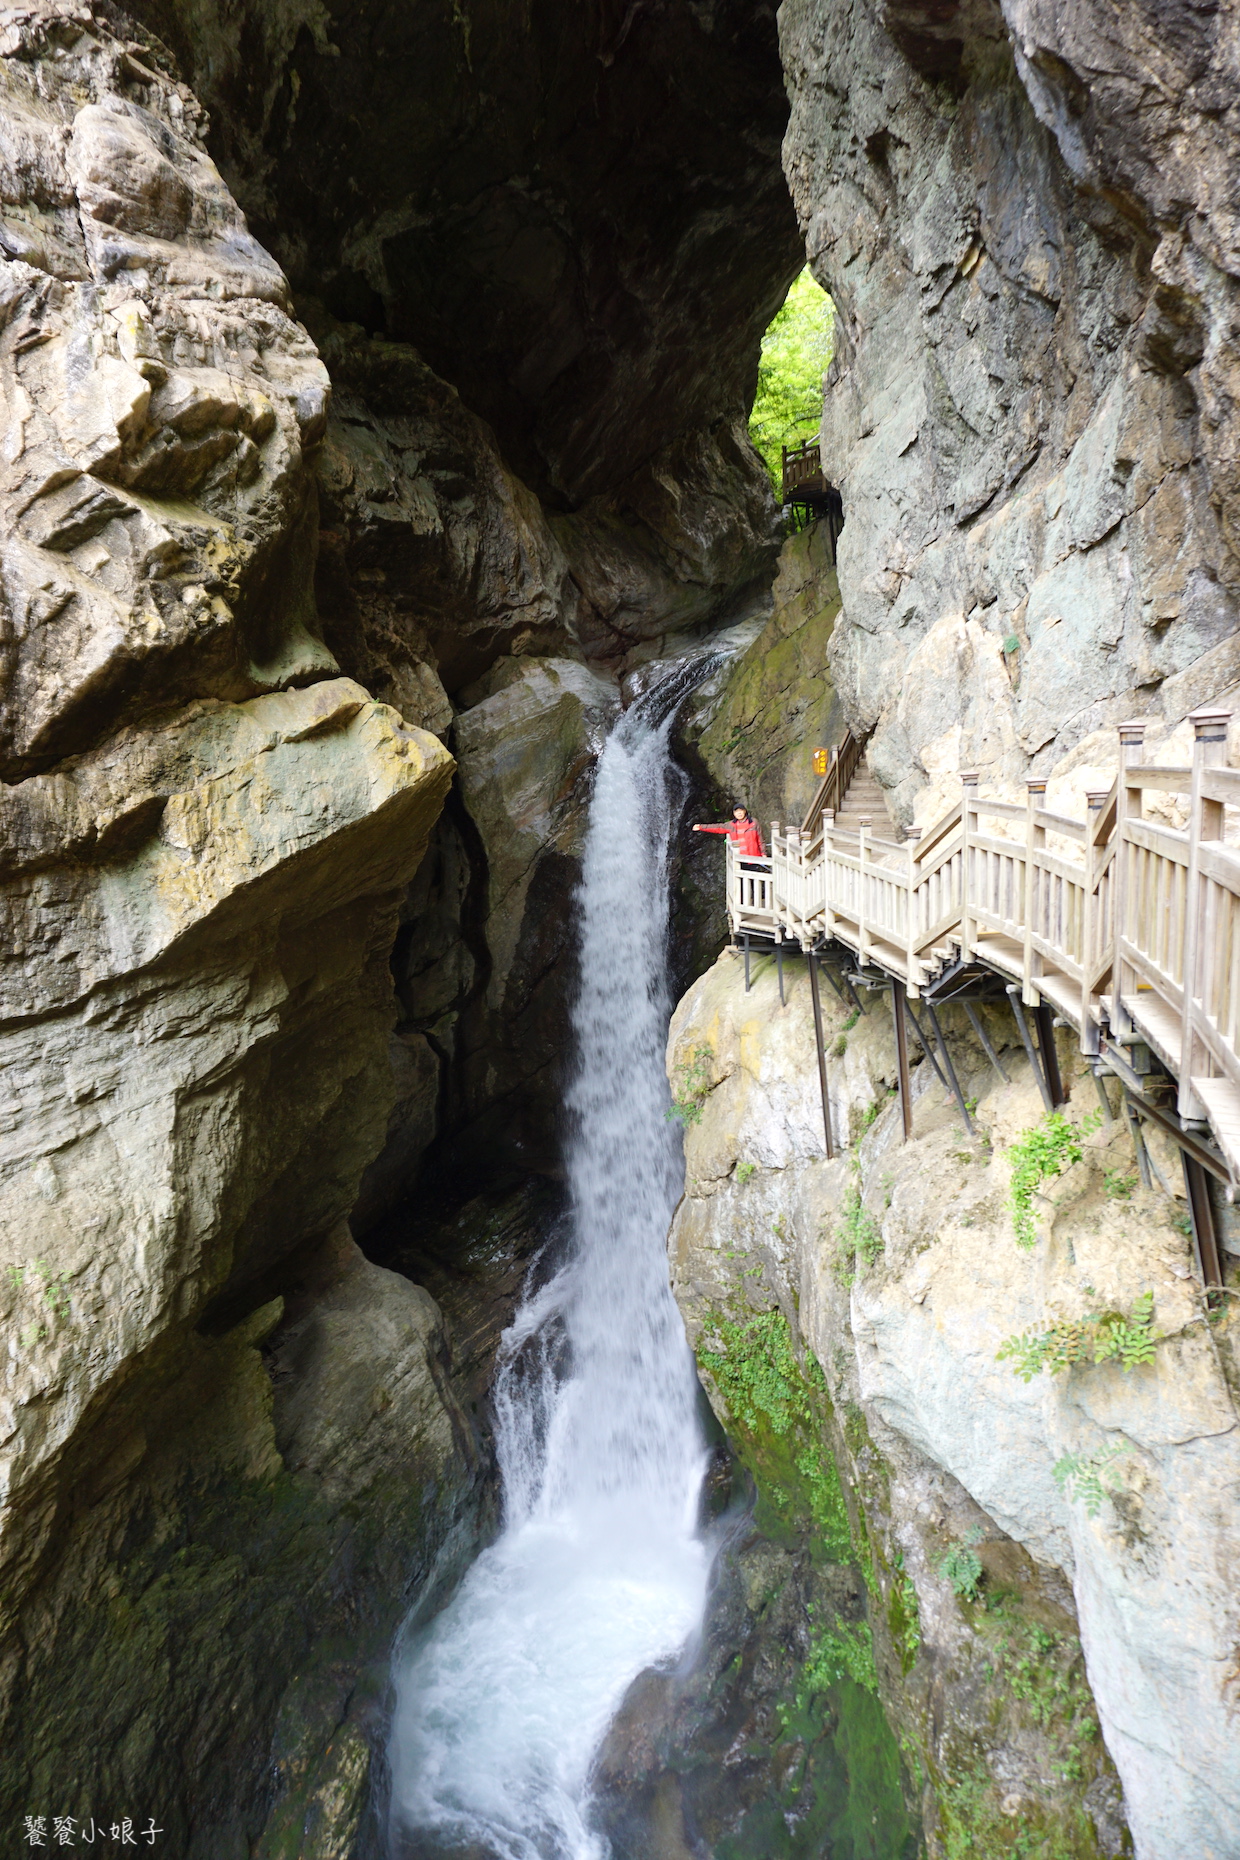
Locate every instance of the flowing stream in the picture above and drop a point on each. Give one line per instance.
(599, 1572)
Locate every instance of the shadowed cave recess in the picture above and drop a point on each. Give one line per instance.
(339, 538)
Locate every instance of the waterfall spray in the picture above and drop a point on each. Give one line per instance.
(599, 1573)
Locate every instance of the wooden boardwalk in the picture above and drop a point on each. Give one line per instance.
(1119, 925)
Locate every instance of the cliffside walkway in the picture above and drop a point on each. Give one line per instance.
(1118, 925)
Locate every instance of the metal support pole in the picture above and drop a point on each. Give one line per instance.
(1204, 1236)
(1105, 1102)
(976, 1023)
(779, 966)
(816, 997)
(1013, 995)
(899, 1008)
(746, 962)
(826, 970)
(857, 1002)
(1044, 1015)
(926, 1047)
(1138, 1143)
(951, 1070)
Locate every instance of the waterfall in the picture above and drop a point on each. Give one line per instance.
(504, 1699)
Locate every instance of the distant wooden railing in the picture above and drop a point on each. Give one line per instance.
(842, 765)
(1129, 927)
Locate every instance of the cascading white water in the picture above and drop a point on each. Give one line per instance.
(503, 1701)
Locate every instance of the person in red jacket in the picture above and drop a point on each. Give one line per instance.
(742, 830)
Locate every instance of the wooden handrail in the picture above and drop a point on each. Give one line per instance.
(843, 765)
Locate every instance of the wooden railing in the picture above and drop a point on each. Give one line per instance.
(842, 765)
(802, 469)
(1127, 926)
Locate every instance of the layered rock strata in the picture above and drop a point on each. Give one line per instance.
(897, 1269)
(1026, 215)
(206, 835)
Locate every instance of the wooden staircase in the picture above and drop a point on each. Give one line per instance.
(865, 800)
(850, 792)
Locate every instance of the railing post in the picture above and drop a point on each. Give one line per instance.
(863, 945)
(774, 907)
(1128, 803)
(828, 832)
(1205, 822)
(1092, 929)
(968, 815)
(911, 926)
(1035, 839)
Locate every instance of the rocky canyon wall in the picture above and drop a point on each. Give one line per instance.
(896, 1269)
(1026, 215)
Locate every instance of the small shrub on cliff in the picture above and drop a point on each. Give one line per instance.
(743, 1171)
(691, 1087)
(1048, 1149)
(1097, 1337)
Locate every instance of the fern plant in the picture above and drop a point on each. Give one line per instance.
(1097, 1337)
(1089, 1477)
(962, 1567)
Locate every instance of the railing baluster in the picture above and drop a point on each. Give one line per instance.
(1127, 807)
(968, 823)
(1035, 837)
(1205, 823)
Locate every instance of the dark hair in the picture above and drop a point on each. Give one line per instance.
(741, 805)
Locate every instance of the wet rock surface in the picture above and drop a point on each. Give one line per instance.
(730, 1757)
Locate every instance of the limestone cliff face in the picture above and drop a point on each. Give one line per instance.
(206, 832)
(896, 1266)
(1026, 215)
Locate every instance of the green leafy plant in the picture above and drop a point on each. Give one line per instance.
(796, 353)
(845, 1651)
(1011, 643)
(773, 1404)
(1047, 1150)
(743, 1171)
(858, 1234)
(904, 1615)
(1118, 1185)
(1090, 1477)
(1097, 1337)
(692, 1087)
(962, 1567)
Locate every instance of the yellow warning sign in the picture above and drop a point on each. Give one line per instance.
(820, 761)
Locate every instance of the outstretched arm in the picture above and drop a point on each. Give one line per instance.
(722, 829)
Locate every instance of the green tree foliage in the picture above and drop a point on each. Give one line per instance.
(796, 353)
